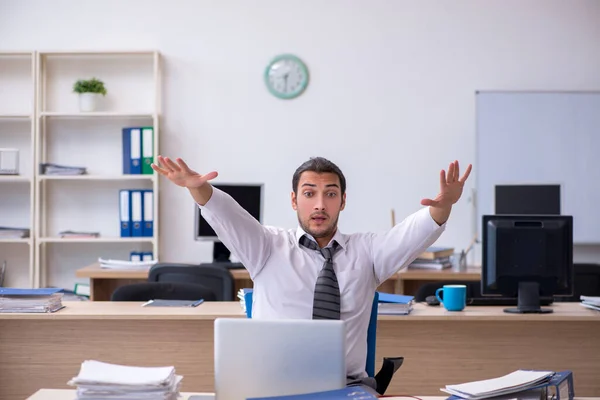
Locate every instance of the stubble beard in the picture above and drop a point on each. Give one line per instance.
(331, 229)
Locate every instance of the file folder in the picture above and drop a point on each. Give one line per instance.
(132, 148)
(395, 298)
(147, 150)
(147, 256)
(148, 215)
(125, 213)
(135, 256)
(136, 213)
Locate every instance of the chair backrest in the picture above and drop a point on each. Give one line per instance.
(216, 278)
(162, 290)
(429, 288)
(371, 330)
(586, 282)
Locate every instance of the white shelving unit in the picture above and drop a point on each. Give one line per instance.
(93, 140)
(17, 130)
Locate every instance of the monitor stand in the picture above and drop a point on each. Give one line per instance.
(220, 252)
(528, 300)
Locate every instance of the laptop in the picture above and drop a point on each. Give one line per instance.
(261, 358)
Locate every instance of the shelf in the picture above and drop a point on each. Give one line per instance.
(97, 114)
(15, 116)
(16, 53)
(14, 178)
(99, 53)
(96, 177)
(21, 240)
(96, 240)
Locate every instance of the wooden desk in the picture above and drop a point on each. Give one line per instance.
(67, 394)
(103, 281)
(70, 394)
(46, 350)
(409, 280)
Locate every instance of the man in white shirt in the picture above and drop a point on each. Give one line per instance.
(285, 265)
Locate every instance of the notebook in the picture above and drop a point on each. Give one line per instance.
(173, 303)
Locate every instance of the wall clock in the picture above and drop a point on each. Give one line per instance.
(286, 76)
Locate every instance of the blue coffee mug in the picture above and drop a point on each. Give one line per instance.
(454, 297)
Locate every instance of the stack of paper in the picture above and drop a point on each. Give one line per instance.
(591, 302)
(515, 382)
(126, 264)
(98, 380)
(394, 304)
(78, 234)
(8, 232)
(56, 169)
(13, 300)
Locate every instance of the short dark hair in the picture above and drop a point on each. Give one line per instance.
(319, 165)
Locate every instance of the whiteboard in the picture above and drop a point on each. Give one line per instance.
(541, 138)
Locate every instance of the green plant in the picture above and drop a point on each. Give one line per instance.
(89, 86)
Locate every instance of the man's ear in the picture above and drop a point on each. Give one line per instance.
(294, 202)
(343, 202)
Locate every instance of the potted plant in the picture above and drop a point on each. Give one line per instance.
(89, 90)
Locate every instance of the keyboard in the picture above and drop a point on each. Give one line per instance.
(502, 301)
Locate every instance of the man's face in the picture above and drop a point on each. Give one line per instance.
(318, 203)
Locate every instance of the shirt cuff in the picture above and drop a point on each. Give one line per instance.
(215, 202)
(426, 215)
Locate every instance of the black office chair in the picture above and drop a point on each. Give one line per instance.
(586, 282)
(216, 278)
(162, 290)
(428, 289)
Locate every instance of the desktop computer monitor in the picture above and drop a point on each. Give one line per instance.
(249, 196)
(527, 256)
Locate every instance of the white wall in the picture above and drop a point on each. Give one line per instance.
(391, 97)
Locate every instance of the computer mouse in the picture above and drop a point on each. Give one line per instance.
(432, 301)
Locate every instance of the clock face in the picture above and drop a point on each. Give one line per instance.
(286, 76)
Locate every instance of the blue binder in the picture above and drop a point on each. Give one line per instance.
(148, 213)
(135, 203)
(29, 292)
(394, 298)
(147, 256)
(135, 256)
(125, 213)
(132, 151)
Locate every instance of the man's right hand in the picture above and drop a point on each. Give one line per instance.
(180, 174)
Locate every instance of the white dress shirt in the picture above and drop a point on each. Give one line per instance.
(284, 273)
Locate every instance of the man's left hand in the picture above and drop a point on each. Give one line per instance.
(451, 188)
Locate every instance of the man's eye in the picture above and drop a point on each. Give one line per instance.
(332, 194)
(307, 194)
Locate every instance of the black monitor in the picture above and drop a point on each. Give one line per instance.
(249, 196)
(527, 199)
(527, 256)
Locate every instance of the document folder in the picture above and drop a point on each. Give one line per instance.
(125, 213)
(132, 148)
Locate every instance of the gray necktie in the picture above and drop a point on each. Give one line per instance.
(326, 304)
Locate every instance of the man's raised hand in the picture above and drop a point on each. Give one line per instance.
(451, 187)
(180, 174)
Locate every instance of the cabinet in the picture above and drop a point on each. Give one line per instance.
(66, 136)
(17, 131)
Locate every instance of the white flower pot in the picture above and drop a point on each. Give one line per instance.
(88, 101)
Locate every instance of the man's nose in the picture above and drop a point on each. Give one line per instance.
(319, 203)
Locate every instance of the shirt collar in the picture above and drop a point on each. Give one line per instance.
(338, 237)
